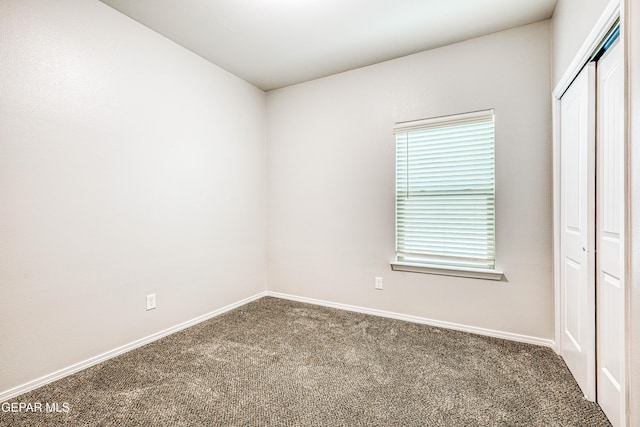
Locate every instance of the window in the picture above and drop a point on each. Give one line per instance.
(445, 195)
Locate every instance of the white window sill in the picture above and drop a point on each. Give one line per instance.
(474, 273)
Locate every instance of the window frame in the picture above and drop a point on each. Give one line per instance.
(442, 268)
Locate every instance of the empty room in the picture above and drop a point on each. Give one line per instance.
(320, 212)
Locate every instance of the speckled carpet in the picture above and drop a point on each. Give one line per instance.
(282, 363)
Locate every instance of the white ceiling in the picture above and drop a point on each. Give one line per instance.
(276, 43)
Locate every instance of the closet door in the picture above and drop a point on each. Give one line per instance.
(577, 229)
(609, 232)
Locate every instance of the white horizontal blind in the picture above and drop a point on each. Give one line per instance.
(445, 191)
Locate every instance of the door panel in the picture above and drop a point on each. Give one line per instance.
(577, 225)
(609, 240)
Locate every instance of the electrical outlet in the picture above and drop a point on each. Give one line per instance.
(151, 301)
(379, 283)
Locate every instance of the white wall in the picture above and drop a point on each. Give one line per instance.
(331, 157)
(128, 165)
(572, 21)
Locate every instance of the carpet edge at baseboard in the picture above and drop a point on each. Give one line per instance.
(48, 378)
(421, 320)
(76, 367)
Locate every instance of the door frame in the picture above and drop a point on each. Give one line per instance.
(608, 18)
(610, 15)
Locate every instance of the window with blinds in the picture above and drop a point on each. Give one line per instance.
(445, 191)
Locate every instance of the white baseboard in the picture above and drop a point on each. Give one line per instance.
(425, 321)
(46, 379)
(31, 385)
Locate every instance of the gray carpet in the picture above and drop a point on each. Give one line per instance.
(282, 363)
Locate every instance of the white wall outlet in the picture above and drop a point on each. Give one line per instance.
(151, 301)
(379, 283)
